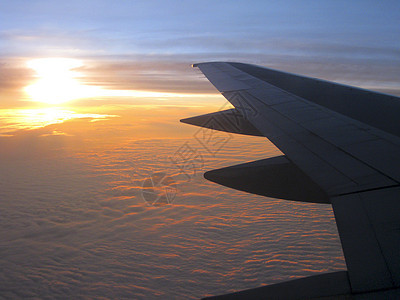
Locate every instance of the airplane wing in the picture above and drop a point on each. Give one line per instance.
(341, 146)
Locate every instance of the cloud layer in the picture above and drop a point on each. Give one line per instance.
(76, 224)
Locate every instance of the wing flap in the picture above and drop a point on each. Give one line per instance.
(369, 227)
(274, 177)
(229, 120)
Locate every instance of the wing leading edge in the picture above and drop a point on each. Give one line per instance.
(348, 156)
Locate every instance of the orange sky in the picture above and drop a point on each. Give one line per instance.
(83, 104)
(93, 103)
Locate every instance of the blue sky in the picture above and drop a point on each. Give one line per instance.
(206, 27)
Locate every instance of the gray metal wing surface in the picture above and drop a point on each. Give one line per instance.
(343, 140)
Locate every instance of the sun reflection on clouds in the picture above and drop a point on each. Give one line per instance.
(16, 119)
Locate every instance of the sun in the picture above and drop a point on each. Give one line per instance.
(57, 81)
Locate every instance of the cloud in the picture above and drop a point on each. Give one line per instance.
(56, 133)
(13, 76)
(172, 73)
(17, 119)
(75, 221)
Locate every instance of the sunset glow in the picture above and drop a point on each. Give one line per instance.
(16, 119)
(57, 81)
(102, 188)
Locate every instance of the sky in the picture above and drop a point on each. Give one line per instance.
(129, 46)
(103, 28)
(91, 94)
